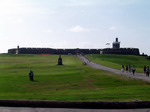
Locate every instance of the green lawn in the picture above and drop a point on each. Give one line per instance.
(116, 61)
(71, 82)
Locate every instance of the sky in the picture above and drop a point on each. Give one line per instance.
(74, 24)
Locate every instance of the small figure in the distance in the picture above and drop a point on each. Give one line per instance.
(133, 69)
(122, 69)
(84, 63)
(130, 68)
(147, 71)
(144, 69)
(127, 68)
(31, 75)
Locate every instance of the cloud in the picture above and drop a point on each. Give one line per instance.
(79, 29)
(118, 2)
(79, 3)
(47, 31)
(18, 21)
(113, 28)
(14, 8)
(65, 44)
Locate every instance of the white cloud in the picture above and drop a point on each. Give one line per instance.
(118, 2)
(79, 29)
(79, 3)
(113, 28)
(65, 44)
(14, 8)
(19, 20)
(47, 31)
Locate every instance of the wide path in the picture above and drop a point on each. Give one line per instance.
(101, 67)
(21, 109)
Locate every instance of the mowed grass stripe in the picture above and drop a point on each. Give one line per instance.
(71, 82)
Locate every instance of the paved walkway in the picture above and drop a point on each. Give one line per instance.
(101, 67)
(21, 109)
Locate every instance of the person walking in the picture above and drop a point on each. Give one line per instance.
(144, 69)
(31, 75)
(122, 69)
(133, 69)
(147, 71)
(127, 68)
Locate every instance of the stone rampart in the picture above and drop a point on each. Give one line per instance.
(123, 51)
(53, 51)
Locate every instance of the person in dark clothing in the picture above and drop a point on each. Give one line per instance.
(144, 69)
(127, 68)
(147, 71)
(31, 75)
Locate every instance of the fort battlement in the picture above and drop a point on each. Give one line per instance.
(53, 51)
(114, 50)
(124, 51)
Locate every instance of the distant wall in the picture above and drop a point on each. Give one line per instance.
(53, 51)
(124, 51)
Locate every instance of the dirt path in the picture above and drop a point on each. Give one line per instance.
(101, 67)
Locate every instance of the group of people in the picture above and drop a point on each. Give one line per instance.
(146, 70)
(128, 68)
(132, 69)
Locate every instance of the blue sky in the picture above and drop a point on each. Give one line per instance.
(74, 23)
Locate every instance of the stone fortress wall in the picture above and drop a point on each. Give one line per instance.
(123, 51)
(52, 51)
(115, 50)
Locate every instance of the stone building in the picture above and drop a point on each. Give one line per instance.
(117, 50)
(53, 51)
(116, 44)
(114, 50)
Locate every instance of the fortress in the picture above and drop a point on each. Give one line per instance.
(114, 50)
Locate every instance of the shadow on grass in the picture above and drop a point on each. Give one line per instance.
(35, 81)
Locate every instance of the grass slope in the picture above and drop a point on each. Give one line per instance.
(71, 82)
(116, 61)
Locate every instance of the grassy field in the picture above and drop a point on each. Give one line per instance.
(71, 82)
(116, 61)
